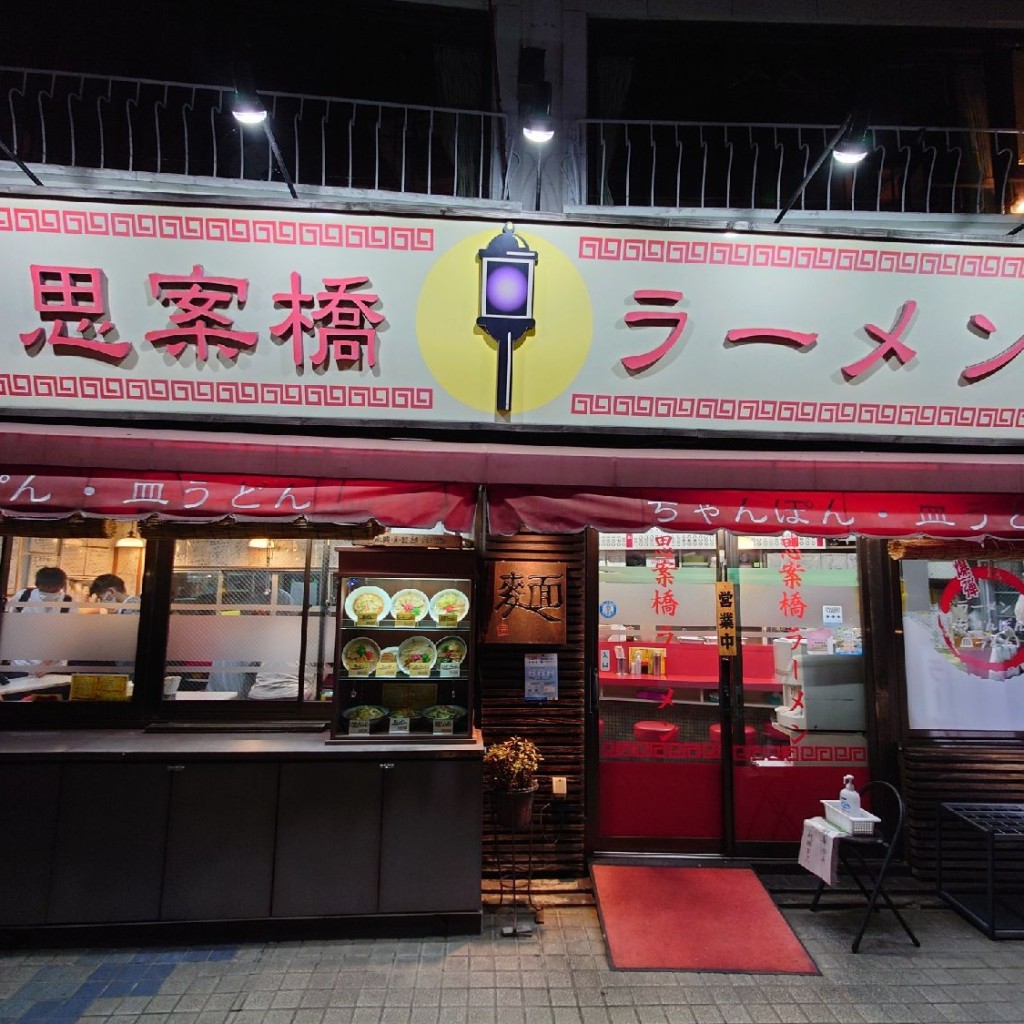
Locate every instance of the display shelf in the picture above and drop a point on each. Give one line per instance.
(404, 649)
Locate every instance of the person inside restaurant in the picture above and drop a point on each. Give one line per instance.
(109, 589)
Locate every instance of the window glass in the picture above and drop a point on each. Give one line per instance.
(963, 623)
(70, 622)
(237, 629)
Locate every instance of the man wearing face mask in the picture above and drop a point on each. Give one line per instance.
(110, 590)
(51, 585)
(48, 595)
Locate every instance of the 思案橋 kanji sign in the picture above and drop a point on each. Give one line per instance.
(109, 310)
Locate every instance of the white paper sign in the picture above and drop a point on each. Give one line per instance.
(541, 677)
(832, 615)
(819, 851)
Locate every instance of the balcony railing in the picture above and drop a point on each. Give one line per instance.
(133, 125)
(686, 165)
(80, 121)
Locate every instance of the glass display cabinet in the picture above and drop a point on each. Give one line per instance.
(405, 646)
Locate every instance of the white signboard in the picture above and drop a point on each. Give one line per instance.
(175, 312)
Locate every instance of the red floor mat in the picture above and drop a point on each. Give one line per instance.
(694, 919)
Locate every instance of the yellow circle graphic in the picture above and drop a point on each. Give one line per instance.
(464, 359)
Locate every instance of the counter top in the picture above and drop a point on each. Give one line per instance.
(136, 744)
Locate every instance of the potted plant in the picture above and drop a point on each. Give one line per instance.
(511, 769)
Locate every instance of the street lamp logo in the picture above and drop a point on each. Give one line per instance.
(506, 301)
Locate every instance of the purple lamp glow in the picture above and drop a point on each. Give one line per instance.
(506, 289)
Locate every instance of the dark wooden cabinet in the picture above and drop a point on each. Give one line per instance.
(384, 837)
(431, 836)
(297, 831)
(109, 855)
(328, 840)
(220, 842)
(28, 811)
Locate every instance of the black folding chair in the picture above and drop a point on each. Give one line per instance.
(866, 858)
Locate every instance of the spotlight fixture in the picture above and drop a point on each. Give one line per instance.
(852, 147)
(538, 128)
(534, 97)
(849, 145)
(247, 108)
(251, 112)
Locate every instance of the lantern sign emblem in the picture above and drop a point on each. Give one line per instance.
(506, 301)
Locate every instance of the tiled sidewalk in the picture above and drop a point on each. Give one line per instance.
(559, 975)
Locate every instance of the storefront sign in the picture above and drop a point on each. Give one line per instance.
(527, 603)
(111, 309)
(725, 619)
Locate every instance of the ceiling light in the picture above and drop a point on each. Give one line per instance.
(130, 540)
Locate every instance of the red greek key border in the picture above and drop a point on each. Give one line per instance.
(107, 389)
(198, 228)
(705, 751)
(735, 410)
(786, 256)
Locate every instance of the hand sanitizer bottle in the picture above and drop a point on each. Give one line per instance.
(849, 798)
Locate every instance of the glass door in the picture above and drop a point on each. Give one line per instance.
(709, 754)
(799, 706)
(658, 698)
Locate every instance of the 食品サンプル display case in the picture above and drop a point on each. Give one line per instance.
(404, 650)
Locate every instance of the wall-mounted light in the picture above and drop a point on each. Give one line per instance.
(261, 543)
(131, 539)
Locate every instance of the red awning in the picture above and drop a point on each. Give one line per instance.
(48, 493)
(539, 487)
(819, 513)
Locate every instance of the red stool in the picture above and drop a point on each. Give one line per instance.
(749, 734)
(655, 732)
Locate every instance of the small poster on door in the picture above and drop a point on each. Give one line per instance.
(541, 677)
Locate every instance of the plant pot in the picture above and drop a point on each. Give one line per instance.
(513, 808)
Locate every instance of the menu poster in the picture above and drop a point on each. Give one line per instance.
(541, 677)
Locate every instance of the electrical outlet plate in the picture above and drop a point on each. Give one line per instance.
(558, 785)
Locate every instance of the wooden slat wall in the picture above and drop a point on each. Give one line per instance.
(937, 773)
(558, 729)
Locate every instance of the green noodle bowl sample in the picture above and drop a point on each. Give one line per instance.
(365, 713)
(444, 712)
